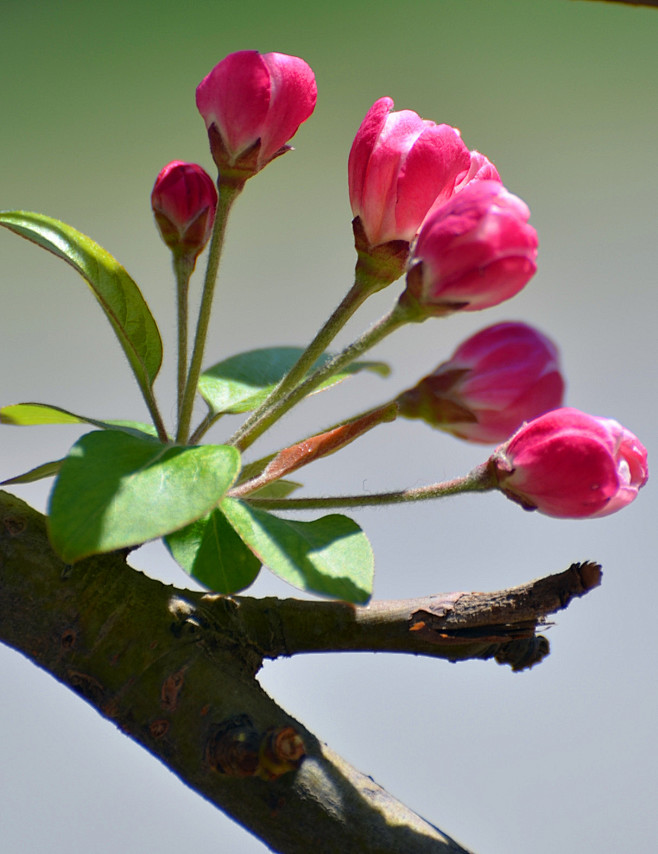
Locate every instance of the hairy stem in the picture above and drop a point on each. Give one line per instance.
(183, 268)
(227, 196)
(479, 480)
(247, 435)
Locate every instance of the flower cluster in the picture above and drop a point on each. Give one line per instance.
(425, 204)
(425, 207)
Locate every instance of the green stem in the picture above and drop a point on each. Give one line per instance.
(210, 419)
(183, 267)
(316, 447)
(252, 429)
(227, 195)
(352, 301)
(152, 405)
(479, 480)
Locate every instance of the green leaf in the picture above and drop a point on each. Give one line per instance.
(117, 293)
(211, 551)
(38, 473)
(241, 383)
(330, 556)
(24, 414)
(30, 414)
(115, 490)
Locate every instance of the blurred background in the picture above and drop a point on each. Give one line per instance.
(562, 97)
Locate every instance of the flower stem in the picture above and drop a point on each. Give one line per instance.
(209, 420)
(227, 195)
(316, 447)
(254, 427)
(352, 301)
(183, 267)
(478, 480)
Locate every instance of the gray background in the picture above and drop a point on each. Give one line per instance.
(561, 96)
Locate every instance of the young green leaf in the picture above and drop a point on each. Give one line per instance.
(117, 293)
(330, 556)
(241, 383)
(115, 490)
(211, 551)
(30, 414)
(44, 470)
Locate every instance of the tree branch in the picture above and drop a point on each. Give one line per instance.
(176, 671)
(651, 3)
(454, 626)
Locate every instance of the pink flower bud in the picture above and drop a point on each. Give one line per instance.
(494, 381)
(475, 251)
(480, 169)
(571, 465)
(184, 200)
(252, 105)
(398, 167)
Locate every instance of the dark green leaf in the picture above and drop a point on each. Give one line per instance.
(241, 383)
(330, 556)
(115, 490)
(211, 551)
(38, 473)
(29, 414)
(117, 293)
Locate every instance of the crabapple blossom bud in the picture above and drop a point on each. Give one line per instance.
(184, 200)
(571, 465)
(252, 104)
(475, 251)
(398, 167)
(480, 169)
(494, 381)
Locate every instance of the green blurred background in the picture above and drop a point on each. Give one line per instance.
(562, 97)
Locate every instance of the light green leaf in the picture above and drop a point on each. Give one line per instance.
(115, 490)
(330, 556)
(116, 292)
(30, 414)
(211, 551)
(241, 383)
(38, 473)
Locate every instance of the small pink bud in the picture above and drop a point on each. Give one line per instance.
(184, 200)
(494, 381)
(480, 169)
(571, 465)
(475, 251)
(252, 105)
(398, 167)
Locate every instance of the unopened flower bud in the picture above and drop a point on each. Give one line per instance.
(494, 381)
(475, 251)
(399, 166)
(571, 465)
(480, 169)
(252, 105)
(184, 200)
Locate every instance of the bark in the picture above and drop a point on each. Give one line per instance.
(176, 671)
(650, 3)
